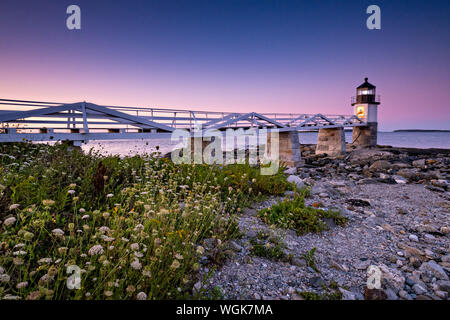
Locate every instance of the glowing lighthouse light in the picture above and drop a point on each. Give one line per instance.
(366, 102)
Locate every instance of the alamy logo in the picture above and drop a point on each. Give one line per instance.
(74, 281)
(251, 143)
(373, 277)
(73, 21)
(374, 20)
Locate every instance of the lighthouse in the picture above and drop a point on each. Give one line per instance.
(365, 107)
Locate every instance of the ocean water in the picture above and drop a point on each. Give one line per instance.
(395, 139)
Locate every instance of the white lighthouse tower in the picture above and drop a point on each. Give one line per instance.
(365, 106)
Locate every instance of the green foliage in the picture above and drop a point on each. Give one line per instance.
(311, 259)
(146, 216)
(271, 249)
(329, 293)
(293, 214)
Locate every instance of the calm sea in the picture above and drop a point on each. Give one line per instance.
(395, 139)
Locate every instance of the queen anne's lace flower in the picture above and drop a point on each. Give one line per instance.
(136, 265)
(14, 206)
(9, 221)
(95, 250)
(58, 232)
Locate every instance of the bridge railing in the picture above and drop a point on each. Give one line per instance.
(86, 117)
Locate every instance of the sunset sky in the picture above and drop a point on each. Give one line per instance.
(262, 56)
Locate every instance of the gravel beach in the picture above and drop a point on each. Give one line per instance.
(397, 201)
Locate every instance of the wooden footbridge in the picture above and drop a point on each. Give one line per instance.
(83, 121)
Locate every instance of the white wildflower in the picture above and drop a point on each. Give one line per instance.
(45, 261)
(22, 285)
(136, 265)
(58, 232)
(95, 250)
(107, 239)
(9, 221)
(14, 206)
(134, 246)
(104, 229)
(200, 250)
(4, 278)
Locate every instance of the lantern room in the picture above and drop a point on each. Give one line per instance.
(366, 102)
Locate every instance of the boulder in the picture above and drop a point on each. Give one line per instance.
(365, 155)
(419, 163)
(298, 182)
(432, 269)
(392, 278)
(380, 165)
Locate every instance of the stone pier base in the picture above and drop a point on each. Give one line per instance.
(331, 141)
(288, 148)
(365, 136)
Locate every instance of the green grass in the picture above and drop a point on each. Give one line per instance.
(271, 249)
(310, 259)
(293, 214)
(329, 293)
(148, 216)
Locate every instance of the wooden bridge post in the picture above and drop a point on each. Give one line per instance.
(331, 141)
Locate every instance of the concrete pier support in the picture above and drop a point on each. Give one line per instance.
(288, 148)
(365, 136)
(331, 141)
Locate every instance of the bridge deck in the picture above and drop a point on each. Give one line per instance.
(83, 121)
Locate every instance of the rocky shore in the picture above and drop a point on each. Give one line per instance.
(397, 201)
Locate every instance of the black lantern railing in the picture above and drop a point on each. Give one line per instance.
(368, 98)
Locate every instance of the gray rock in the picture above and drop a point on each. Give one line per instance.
(298, 182)
(329, 222)
(299, 262)
(418, 289)
(234, 246)
(442, 294)
(362, 155)
(390, 294)
(380, 165)
(399, 179)
(404, 295)
(290, 171)
(347, 295)
(362, 265)
(316, 282)
(392, 278)
(443, 285)
(413, 237)
(289, 194)
(432, 269)
(419, 163)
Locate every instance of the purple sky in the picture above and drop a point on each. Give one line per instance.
(262, 56)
